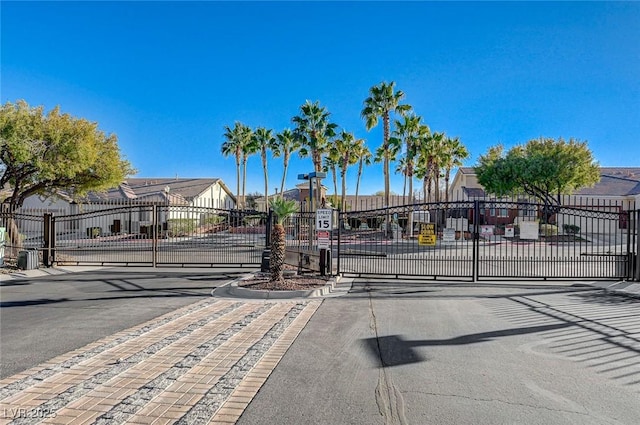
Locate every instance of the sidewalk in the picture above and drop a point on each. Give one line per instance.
(201, 364)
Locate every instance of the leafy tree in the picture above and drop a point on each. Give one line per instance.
(543, 168)
(314, 131)
(285, 145)
(330, 165)
(282, 208)
(382, 101)
(43, 153)
(264, 140)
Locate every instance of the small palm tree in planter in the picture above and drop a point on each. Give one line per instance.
(283, 209)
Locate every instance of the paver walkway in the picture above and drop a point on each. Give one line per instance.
(201, 364)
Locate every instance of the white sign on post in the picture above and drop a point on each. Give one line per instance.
(324, 219)
(324, 240)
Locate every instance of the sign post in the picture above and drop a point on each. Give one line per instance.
(324, 225)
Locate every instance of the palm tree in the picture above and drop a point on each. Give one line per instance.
(409, 131)
(264, 140)
(331, 165)
(285, 145)
(314, 131)
(381, 102)
(249, 147)
(401, 168)
(236, 140)
(454, 153)
(345, 149)
(365, 158)
(231, 146)
(429, 163)
(282, 208)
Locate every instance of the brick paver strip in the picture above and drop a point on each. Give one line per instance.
(77, 385)
(79, 378)
(235, 404)
(19, 382)
(203, 411)
(185, 372)
(139, 400)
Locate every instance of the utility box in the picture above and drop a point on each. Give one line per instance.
(28, 259)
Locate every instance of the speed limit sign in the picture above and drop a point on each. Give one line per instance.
(324, 219)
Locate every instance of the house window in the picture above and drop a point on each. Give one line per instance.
(501, 212)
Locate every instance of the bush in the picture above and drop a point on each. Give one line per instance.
(571, 229)
(213, 219)
(548, 229)
(181, 226)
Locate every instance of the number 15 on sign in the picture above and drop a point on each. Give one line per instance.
(324, 219)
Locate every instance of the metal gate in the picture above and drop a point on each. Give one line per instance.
(157, 235)
(490, 240)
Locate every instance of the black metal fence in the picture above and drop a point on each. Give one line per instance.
(139, 234)
(470, 240)
(491, 239)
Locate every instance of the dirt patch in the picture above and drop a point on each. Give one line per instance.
(301, 282)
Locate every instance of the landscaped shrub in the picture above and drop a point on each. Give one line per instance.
(548, 229)
(181, 226)
(213, 219)
(571, 229)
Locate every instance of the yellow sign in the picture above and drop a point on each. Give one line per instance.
(427, 240)
(427, 234)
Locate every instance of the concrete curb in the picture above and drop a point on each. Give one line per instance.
(628, 289)
(234, 290)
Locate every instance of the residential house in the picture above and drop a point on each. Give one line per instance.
(130, 205)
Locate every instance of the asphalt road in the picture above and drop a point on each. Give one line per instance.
(43, 317)
(416, 353)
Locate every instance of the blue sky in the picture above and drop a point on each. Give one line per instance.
(167, 76)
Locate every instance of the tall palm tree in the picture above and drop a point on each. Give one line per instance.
(409, 131)
(454, 153)
(264, 139)
(430, 162)
(285, 145)
(382, 101)
(330, 165)
(345, 149)
(236, 140)
(401, 168)
(364, 158)
(314, 131)
(248, 149)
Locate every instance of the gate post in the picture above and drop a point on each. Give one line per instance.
(340, 218)
(476, 239)
(49, 239)
(636, 221)
(154, 235)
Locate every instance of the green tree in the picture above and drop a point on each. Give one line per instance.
(43, 153)
(282, 208)
(330, 165)
(454, 152)
(382, 101)
(543, 168)
(314, 131)
(264, 140)
(285, 145)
